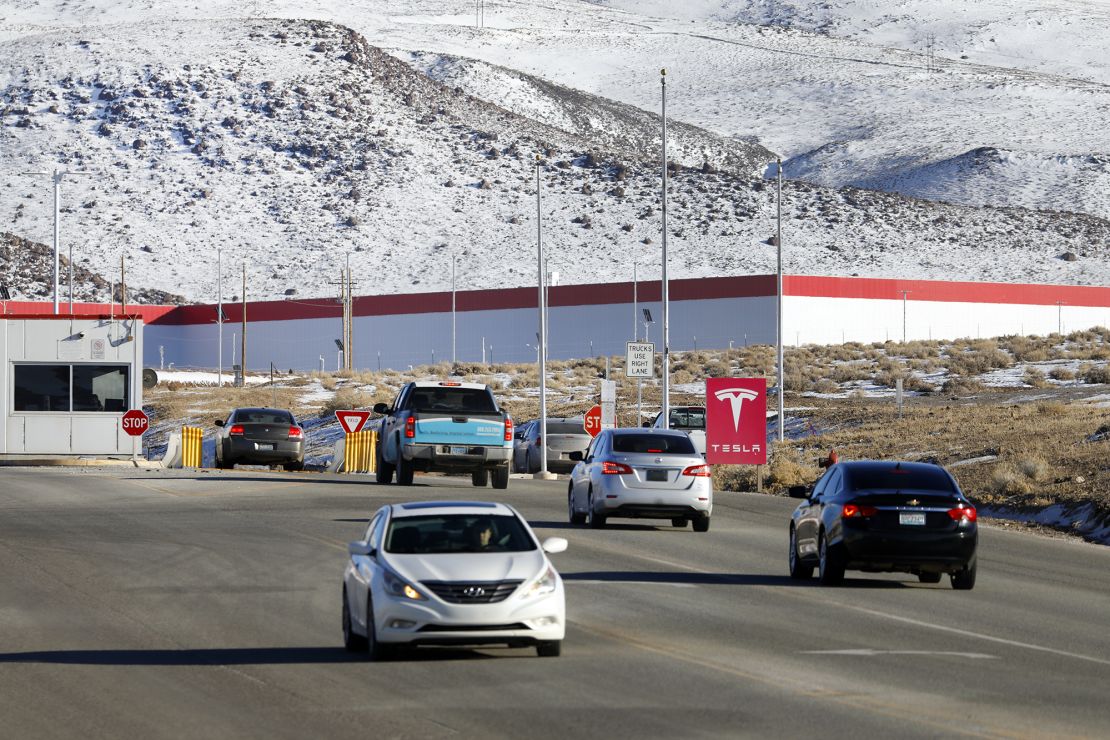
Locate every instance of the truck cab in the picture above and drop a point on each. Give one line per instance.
(689, 419)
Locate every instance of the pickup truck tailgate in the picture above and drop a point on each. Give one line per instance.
(460, 430)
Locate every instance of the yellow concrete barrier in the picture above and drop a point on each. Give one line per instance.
(190, 446)
(360, 452)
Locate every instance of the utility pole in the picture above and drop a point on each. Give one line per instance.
(57, 177)
(778, 292)
(541, 351)
(1060, 318)
(350, 353)
(666, 291)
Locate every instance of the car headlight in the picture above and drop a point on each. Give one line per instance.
(399, 587)
(543, 585)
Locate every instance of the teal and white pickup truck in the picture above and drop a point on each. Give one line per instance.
(445, 426)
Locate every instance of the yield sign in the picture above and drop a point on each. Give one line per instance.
(352, 421)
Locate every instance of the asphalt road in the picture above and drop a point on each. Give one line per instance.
(156, 604)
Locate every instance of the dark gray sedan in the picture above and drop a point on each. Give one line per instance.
(258, 436)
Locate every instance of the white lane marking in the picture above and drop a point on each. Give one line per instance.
(870, 652)
(979, 635)
(628, 583)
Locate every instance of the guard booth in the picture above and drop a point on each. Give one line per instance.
(68, 379)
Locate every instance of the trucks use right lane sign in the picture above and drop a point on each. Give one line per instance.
(640, 360)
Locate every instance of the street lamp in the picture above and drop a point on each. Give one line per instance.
(666, 288)
(541, 349)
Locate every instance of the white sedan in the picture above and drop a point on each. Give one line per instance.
(451, 573)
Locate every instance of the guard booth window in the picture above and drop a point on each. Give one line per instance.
(71, 388)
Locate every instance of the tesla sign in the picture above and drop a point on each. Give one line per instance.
(736, 421)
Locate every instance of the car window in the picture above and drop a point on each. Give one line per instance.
(565, 427)
(453, 400)
(457, 533)
(690, 418)
(657, 444)
(260, 416)
(897, 478)
(369, 535)
(832, 487)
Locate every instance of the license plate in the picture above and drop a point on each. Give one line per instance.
(657, 475)
(459, 451)
(912, 518)
(261, 447)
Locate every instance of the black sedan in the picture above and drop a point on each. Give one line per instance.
(258, 436)
(884, 517)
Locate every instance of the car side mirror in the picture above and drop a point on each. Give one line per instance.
(576, 456)
(798, 491)
(361, 548)
(554, 545)
(219, 422)
(646, 425)
(381, 408)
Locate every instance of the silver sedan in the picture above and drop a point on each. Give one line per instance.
(641, 473)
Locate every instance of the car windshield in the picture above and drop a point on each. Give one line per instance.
(263, 417)
(658, 444)
(897, 478)
(454, 400)
(457, 533)
(688, 419)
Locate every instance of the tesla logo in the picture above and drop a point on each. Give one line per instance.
(474, 592)
(736, 397)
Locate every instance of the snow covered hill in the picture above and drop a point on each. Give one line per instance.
(396, 138)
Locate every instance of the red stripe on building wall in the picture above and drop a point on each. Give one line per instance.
(597, 294)
(35, 310)
(945, 291)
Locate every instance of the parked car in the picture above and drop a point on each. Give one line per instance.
(445, 426)
(260, 436)
(452, 573)
(689, 419)
(564, 436)
(884, 517)
(519, 440)
(641, 473)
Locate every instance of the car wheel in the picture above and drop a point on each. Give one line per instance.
(597, 521)
(701, 524)
(798, 570)
(297, 465)
(479, 478)
(383, 471)
(500, 476)
(351, 640)
(549, 649)
(574, 517)
(375, 650)
(405, 472)
(964, 580)
(678, 521)
(830, 566)
(929, 577)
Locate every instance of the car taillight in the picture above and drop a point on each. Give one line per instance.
(539, 441)
(854, 511)
(295, 433)
(410, 427)
(236, 430)
(698, 471)
(508, 430)
(959, 513)
(613, 468)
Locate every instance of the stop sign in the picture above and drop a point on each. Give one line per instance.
(591, 422)
(135, 422)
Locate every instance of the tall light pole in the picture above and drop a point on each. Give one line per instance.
(1060, 318)
(778, 293)
(541, 351)
(904, 294)
(220, 317)
(453, 359)
(666, 291)
(57, 176)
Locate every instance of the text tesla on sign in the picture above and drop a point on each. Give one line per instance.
(736, 421)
